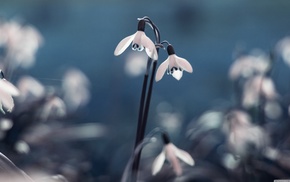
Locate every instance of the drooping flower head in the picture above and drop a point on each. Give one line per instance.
(174, 65)
(139, 42)
(171, 153)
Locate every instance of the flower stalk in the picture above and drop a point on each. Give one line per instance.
(173, 64)
(145, 103)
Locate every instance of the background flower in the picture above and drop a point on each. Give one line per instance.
(83, 35)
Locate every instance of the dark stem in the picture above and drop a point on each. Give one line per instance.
(141, 106)
(143, 120)
(145, 102)
(148, 99)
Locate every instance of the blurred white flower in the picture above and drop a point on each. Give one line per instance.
(139, 42)
(5, 124)
(283, 48)
(273, 110)
(22, 147)
(54, 107)
(170, 121)
(209, 120)
(30, 89)
(229, 161)
(272, 153)
(135, 64)
(174, 65)
(248, 65)
(75, 88)
(171, 153)
(243, 137)
(22, 42)
(256, 87)
(7, 90)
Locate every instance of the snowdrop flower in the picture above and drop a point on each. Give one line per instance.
(249, 65)
(139, 41)
(7, 90)
(22, 42)
(171, 153)
(258, 86)
(174, 65)
(243, 137)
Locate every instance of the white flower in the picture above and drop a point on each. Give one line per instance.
(171, 153)
(53, 107)
(30, 89)
(248, 65)
(7, 90)
(139, 42)
(75, 87)
(174, 65)
(21, 42)
(256, 87)
(243, 137)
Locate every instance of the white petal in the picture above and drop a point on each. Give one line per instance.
(123, 44)
(177, 74)
(6, 100)
(151, 54)
(8, 87)
(161, 70)
(171, 156)
(137, 37)
(149, 47)
(158, 163)
(30, 88)
(184, 64)
(184, 156)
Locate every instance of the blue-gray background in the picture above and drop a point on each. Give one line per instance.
(84, 34)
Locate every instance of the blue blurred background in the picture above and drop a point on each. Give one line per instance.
(208, 33)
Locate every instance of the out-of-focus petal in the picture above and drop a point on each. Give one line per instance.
(161, 70)
(149, 47)
(5, 124)
(158, 163)
(54, 107)
(8, 87)
(283, 47)
(6, 100)
(76, 88)
(184, 64)
(135, 64)
(244, 139)
(122, 46)
(268, 88)
(184, 156)
(30, 89)
(10, 172)
(245, 66)
(256, 86)
(171, 156)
